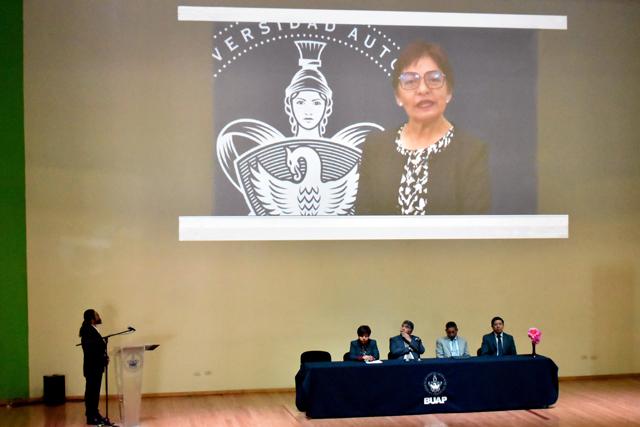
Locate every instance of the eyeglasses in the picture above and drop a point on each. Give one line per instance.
(410, 80)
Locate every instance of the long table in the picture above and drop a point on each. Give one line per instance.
(396, 387)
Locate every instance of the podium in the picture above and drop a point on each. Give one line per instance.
(129, 365)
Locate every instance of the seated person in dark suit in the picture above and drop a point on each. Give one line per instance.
(364, 348)
(406, 346)
(497, 343)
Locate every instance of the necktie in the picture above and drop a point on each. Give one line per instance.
(500, 350)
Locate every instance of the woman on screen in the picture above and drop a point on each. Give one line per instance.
(364, 348)
(427, 165)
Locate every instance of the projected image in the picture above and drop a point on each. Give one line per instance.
(323, 119)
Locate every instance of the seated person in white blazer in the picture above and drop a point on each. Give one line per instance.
(452, 345)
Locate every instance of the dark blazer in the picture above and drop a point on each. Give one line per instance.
(94, 349)
(489, 347)
(355, 351)
(458, 177)
(397, 348)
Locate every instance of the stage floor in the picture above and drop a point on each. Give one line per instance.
(612, 402)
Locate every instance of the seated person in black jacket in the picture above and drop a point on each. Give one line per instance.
(364, 348)
(498, 343)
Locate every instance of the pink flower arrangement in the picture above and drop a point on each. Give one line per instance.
(535, 335)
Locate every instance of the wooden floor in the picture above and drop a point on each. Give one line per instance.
(614, 402)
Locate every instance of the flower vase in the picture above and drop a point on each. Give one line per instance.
(533, 349)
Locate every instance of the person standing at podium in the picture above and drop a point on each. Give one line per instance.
(498, 343)
(95, 359)
(406, 346)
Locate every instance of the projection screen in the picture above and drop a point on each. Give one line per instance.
(298, 94)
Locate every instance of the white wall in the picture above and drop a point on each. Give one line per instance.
(118, 144)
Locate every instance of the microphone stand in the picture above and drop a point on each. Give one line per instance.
(106, 371)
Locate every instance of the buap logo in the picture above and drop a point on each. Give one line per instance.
(133, 362)
(307, 173)
(435, 383)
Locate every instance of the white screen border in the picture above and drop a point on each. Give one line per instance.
(372, 17)
(372, 227)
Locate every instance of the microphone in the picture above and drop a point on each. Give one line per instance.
(131, 329)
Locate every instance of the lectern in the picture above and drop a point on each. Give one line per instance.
(129, 365)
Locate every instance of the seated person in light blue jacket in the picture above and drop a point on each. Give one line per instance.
(406, 346)
(453, 345)
(364, 348)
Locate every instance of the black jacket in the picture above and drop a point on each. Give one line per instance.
(356, 350)
(458, 177)
(94, 349)
(490, 348)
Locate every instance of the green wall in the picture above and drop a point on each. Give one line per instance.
(14, 365)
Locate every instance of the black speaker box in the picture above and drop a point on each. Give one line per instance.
(54, 390)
